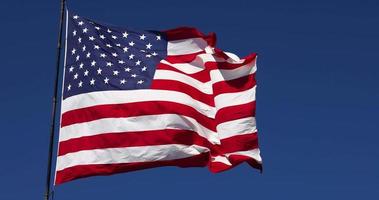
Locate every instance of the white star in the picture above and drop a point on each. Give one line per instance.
(102, 37)
(109, 31)
(102, 55)
(125, 49)
(131, 56)
(158, 37)
(115, 73)
(73, 51)
(92, 81)
(114, 37)
(140, 82)
(93, 63)
(127, 69)
(131, 43)
(81, 66)
(123, 81)
(80, 84)
(74, 33)
(77, 58)
(142, 37)
(80, 40)
(106, 80)
(86, 73)
(75, 17)
(154, 54)
(91, 38)
(69, 87)
(99, 70)
(121, 62)
(97, 28)
(138, 62)
(80, 23)
(84, 48)
(125, 34)
(144, 68)
(108, 45)
(109, 64)
(148, 46)
(96, 47)
(148, 56)
(118, 45)
(114, 54)
(76, 76)
(85, 30)
(88, 55)
(134, 75)
(71, 69)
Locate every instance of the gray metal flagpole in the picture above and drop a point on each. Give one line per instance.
(54, 103)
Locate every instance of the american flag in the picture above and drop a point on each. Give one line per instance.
(141, 99)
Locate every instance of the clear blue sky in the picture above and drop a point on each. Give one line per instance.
(318, 98)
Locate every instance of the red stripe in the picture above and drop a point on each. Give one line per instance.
(187, 58)
(222, 54)
(211, 64)
(132, 139)
(231, 86)
(183, 88)
(158, 137)
(235, 112)
(202, 76)
(228, 65)
(239, 143)
(235, 85)
(134, 109)
(189, 32)
(81, 171)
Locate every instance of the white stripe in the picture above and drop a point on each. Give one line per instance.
(207, 57)
(186, 46)
(140, 123)
(205, 88)
(130, 96)
(216, 76)
(236, 98)
(230, 74)
(236, 127)
(232, 57)
(128, 155)
(197, 65)
(221, 159)
(254, 153)
(187, 68)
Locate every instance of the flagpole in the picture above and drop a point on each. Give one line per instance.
(54, 103)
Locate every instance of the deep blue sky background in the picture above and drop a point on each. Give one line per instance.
(318, 98)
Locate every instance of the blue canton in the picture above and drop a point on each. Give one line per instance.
(102, 57)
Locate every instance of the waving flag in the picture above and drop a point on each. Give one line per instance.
(140, 99)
